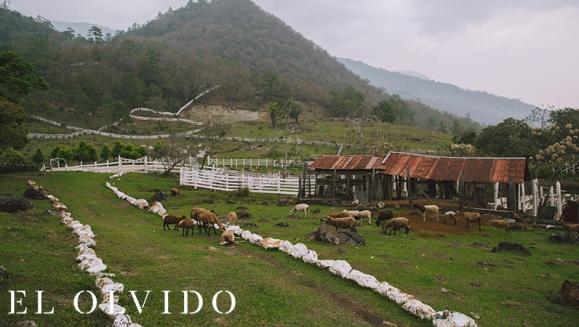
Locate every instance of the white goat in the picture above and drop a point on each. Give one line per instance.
(426, 209)
(302, 207)
(364, 214)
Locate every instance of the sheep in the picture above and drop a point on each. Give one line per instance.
(170, 219)
(471, 216)
(364, 214)
(206, 217)
(426, 209)
(352, 213)
(227, 237)
(175, 192)
(232, 218)
(185, 225)
(449, 215)
(381, 205)
(384, 216)
(397, 223)
(569, 227)
(338, 214)
(355, 202)
(501, 224)
(302, 207)
(347, 222)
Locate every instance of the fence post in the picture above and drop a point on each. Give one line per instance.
(559, 198)
(535, 196)
(146, 166)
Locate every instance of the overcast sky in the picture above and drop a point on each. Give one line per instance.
(522, 49)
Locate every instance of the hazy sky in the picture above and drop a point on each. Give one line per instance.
(522, 49)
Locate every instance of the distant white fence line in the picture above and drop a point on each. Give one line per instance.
(254, 162)
(213, 178)
(221, 179)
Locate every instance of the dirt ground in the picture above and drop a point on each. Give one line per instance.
(433, 228)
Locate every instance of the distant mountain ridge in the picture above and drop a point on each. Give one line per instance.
(81, 28)
(481, 106)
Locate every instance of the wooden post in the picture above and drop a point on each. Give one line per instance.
(496, 196)
(334, 184)
(511, 196)
(559, 199)
(461, 190)
(535, 197)
(408, 189)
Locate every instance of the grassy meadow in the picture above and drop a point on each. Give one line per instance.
(446, 270)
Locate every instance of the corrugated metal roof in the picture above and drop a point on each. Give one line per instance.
(432, 167)
(346, 162)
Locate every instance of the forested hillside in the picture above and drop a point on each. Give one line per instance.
(254, 57)
(481, 106)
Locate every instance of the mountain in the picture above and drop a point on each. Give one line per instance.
(81, 28)
(248, 58)
(481, 106)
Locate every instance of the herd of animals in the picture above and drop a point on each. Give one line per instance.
(346, 219)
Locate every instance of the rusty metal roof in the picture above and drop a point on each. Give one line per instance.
(346, 162)
(432, 167)
(479, 169)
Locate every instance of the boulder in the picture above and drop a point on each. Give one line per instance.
(570, 293)
(326, 233)
(515, 247)
(34, 193)
(13, 203)
(159, 197)
(564, 237)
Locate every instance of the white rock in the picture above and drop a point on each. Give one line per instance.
(117, 309)
(341, 268)
(298, 250)
(449, 318)
(310, 257)
(325, 263)
(246, 235)
(122, 320)
(363, 279)
(419, 309)
(285, 246)
(97, 269)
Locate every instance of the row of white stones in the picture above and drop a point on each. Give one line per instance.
(89, 262)
(445, 318)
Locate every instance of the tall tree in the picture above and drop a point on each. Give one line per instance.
(17, 77)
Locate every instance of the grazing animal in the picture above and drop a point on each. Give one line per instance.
(570, 228)
(364, 214)
(185, 225)
(347, 222)
(471, 217)
(356, 202)
(206, 218)
(426, 209)
(384, 216)
(232, 218)
(227, 237)
(338, 214)
(175, 192)
(170, 219)
(381, 205)
(352, 213)
(449, 215)
(302, 207)
(499, 223)
(397, 223)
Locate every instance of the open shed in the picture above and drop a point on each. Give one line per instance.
(376, 178)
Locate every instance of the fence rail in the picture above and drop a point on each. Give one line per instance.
(227, 180)
(211, 177)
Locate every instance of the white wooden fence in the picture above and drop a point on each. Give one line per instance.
(229, 180)
(213, 178)
(254, 162)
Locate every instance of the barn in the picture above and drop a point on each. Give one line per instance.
(400, 175)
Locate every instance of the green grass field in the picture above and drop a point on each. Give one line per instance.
(446, 271)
